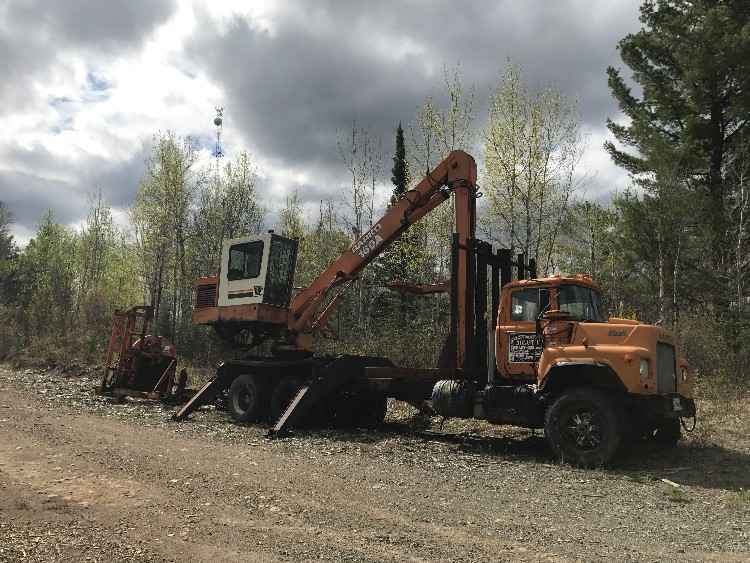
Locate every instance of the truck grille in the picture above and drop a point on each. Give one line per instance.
(666, 375)
(205, 296)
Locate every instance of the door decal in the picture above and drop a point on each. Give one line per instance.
(524, 347)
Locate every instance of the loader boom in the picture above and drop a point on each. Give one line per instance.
(456, 174)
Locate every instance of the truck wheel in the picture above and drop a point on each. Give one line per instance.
(583, 427)
(667, 433)
(247, 398)
(283, 393)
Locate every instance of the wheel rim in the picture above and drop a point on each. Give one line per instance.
(582, 428)
(243, 399)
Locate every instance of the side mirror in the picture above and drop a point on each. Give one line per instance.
(556, 315)
(550, 315)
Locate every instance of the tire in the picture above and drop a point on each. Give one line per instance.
(583, 427)
(667, 433)
(283, 393)
(247, 399)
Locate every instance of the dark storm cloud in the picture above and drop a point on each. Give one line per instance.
(30, 196)
(36, 36)
(294, 92)
(37, 180)
(294, 89)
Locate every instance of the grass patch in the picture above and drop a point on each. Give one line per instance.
(676, 494)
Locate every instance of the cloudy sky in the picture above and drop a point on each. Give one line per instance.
(86, 84)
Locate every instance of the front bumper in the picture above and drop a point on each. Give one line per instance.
(672, 405)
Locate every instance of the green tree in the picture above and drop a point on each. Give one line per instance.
(532, 149)
(160, 217)
(47, 280)
(291, 218)
(227, 207)
(8, 255)
(691, 59)
(7, 246)
(400, 170)
(95, 243)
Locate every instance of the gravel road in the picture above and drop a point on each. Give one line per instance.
(83, 479)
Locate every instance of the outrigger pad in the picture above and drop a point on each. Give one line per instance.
(292, 411)
(205, 394)
(328, 379)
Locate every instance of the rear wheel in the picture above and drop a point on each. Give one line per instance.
(583, 427)
(247, 398)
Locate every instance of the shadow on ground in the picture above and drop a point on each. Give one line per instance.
(709, 466)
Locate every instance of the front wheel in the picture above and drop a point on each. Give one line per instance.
(583, 428)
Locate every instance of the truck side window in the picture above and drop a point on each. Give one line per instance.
(526, 304)
(245, 260)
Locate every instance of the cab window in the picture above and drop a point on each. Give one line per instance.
(583, 303)
(527, 303)
(245, 260)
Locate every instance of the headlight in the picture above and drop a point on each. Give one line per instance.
(684, 374)
(644, 369)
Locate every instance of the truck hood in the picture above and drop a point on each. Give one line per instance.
(621, 332)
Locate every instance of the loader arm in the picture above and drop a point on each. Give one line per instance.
(457, 174)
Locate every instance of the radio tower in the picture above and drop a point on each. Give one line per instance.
(218, 151)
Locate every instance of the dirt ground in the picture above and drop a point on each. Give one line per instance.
(82, 479)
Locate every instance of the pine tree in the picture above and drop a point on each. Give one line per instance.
(400, 171)
(692, 60)
(6, 238)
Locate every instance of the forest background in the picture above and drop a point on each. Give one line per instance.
(671, 249)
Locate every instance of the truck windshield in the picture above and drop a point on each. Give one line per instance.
(583, 303)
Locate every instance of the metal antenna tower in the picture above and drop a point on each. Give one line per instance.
(218, 122)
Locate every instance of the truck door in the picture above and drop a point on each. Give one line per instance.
(517, 345)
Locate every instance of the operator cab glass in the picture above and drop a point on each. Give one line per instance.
(281, 262)
(583, 303)
(245, 260)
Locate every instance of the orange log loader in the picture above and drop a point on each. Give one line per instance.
(535, 353)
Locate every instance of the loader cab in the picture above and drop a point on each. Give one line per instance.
(257, 270)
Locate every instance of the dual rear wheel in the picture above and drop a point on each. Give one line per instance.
(254, 398)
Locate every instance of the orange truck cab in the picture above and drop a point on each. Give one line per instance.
(593, 383)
